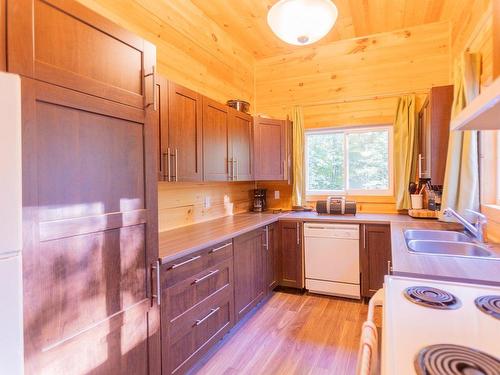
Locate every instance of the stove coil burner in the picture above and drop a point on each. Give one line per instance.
(445, 359)
(489, 305)
(432, 297)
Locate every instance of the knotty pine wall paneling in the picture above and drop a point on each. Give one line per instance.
(183, 203)
(407, 60)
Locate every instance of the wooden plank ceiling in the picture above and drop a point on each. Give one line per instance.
(246, 20)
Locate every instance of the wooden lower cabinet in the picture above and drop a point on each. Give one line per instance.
(248, 271)
(271, 265)
(375, 257)
(204, 294)
(197, 305)
(290, 257)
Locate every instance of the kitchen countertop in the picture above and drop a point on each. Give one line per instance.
(182, 241)
(404, 263)
(179, 242)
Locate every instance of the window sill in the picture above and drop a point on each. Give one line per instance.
(357, 198)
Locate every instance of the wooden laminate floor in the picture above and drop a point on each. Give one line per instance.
(292, 334)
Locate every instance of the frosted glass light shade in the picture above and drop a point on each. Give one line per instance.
(302, 22)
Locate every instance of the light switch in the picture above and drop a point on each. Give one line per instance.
(276, 194)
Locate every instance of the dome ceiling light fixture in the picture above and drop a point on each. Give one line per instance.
(302, 22)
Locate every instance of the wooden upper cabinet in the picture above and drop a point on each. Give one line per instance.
(433, 134)
(217, 165)
(181, 135)
(162, 128)
(375, 257)
(241, 145)
(290, 254)
(270, 149)
(109, 61)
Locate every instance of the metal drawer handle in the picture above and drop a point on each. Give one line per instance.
(174, 266)
(219, 248)
(212, 312)
(211, 273)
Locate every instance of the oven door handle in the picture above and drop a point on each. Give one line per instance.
(368, 347)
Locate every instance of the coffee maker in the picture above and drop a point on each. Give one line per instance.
(259, 200)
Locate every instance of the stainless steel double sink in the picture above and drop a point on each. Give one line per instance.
(442, 242)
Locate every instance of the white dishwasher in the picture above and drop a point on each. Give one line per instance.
(332, 259)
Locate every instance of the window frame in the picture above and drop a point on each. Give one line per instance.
(345, 131)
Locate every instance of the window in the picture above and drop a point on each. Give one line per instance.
(355, 161)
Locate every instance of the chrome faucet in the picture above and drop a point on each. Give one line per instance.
(477, 229)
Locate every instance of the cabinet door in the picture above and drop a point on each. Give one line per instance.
(375, 257)
(216, 160)
(248, 271)
(270, 149)
(424, 141)
(64, 43)
(271, 257)
(241, 144)
(162, 129)
(184, 133)
(441, 99)
(90, 234)
(290, 254)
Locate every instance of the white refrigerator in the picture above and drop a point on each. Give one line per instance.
(11, 292)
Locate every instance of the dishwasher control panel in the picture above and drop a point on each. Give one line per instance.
(347, 231)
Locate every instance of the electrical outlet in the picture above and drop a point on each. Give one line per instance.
(207, 203)
(276, 194)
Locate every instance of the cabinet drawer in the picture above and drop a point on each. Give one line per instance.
(193, 290)
(189, 266)
(191, 336)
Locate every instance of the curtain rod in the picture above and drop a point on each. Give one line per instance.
(362, 98)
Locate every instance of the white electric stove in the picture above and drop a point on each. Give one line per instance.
(458, 333)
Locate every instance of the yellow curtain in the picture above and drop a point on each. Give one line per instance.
(461, 182)
(298, 190)
(404, 145)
